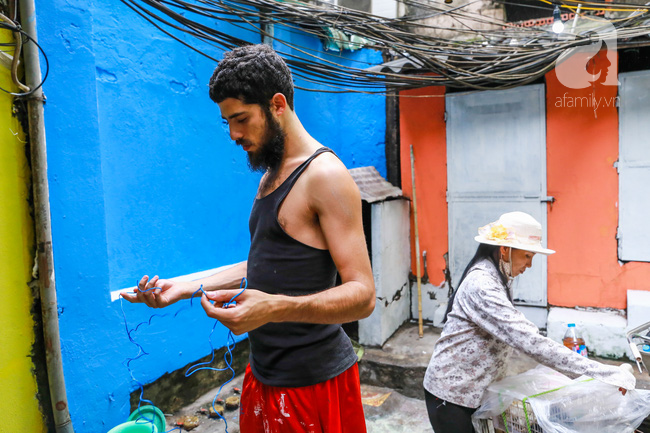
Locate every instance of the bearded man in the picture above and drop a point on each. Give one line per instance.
(305, 226)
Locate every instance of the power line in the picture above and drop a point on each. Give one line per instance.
(490, 59)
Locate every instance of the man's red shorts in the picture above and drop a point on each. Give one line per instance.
(333, 406)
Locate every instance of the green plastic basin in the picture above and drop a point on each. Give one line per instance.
(134, 427)
(139, 421)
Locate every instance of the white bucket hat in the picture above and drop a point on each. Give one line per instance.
(514, 229)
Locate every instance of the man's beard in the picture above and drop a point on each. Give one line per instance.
(271, 150)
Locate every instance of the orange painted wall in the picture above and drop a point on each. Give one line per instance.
(422, 125)
(582, 223)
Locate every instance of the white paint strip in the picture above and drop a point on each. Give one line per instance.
(115, 295)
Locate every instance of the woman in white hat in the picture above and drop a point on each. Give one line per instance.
(483, 327)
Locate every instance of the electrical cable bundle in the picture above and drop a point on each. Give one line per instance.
(14, 26)
(502, 57)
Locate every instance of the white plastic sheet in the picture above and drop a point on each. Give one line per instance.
(561, 405)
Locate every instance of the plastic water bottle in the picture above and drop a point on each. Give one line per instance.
(574, 341)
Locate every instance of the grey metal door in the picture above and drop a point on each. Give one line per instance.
(634, 167)
(496, 163)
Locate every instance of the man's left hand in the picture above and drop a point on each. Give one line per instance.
(249, 310)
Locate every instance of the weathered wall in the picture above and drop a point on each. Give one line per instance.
(474, 16)
(422, 124)
(582, 147)
(18, 404)
(144, 179)
(390, 268)
(351, 124)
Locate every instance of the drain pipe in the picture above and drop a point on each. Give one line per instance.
(45, 261)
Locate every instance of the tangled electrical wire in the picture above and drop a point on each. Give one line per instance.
(501, 57)
(14, 26)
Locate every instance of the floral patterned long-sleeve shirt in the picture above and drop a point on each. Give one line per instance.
(481, 331)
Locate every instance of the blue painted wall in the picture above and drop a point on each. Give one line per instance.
(144, 179)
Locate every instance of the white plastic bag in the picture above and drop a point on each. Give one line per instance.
(559, 404)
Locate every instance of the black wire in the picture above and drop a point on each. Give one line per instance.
(17, 29)
(489, 63)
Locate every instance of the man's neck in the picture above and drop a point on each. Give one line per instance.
(298, 146)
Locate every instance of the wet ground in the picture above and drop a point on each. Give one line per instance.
(391, 386)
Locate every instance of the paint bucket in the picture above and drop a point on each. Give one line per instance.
(140, 421)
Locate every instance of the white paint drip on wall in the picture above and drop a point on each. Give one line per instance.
(115, 294)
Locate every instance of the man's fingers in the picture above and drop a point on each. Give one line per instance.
(152, 283)
(208, 306)
(131, 297)
(146, 292)
(222, 295)
(138, 298)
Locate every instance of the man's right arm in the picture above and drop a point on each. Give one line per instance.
(158, 293)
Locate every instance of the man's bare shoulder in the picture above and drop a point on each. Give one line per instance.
(327, 167)
(329, 179)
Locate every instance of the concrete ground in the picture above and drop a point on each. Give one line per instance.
(206, 424)
(386, 410)
(391, 386)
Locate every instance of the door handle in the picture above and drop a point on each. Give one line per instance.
(547, 199)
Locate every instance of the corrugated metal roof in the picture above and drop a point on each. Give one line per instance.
(373, 187)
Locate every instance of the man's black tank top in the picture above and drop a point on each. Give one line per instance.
(292, 354)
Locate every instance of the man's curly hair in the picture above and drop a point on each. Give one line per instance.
(253, 74)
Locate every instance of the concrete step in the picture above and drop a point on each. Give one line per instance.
(400, 364)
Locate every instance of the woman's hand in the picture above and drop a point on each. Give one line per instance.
(628, 368)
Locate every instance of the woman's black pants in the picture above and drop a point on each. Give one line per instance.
(446, 417)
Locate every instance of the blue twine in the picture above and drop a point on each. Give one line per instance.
(141, 353)
(228, 356)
